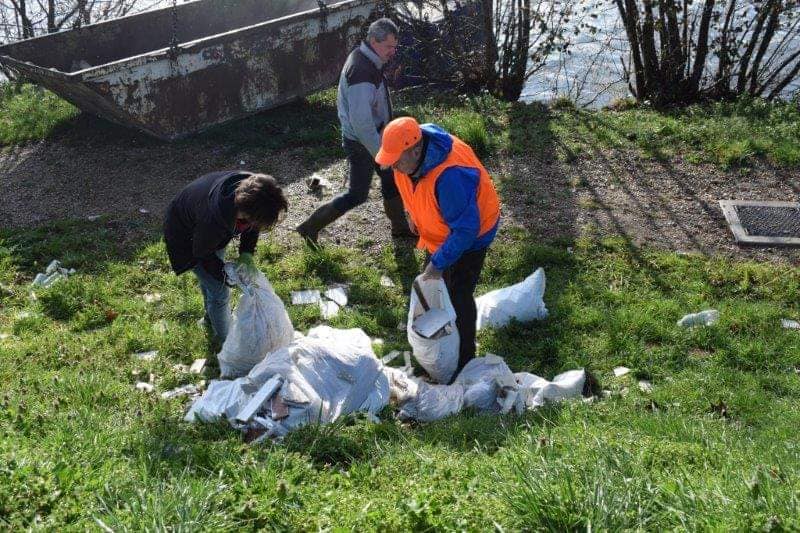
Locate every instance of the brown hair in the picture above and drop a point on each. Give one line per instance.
(260, 198)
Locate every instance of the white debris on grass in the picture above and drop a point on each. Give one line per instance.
(318, 183)
(708, 317)
(93, 218)
(391, 356)
(377, 341)
(144, 387)
(645, 386)
(789, 324)
(54, 272)
(146, 356)
(144, 211)
(337, 294)
(386, 281)
(621, 371)
(185, 390)
(152, 297)
(197, 366)
(4, 336)
(306, 297)
(328, 309)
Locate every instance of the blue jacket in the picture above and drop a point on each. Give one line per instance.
(457, 195)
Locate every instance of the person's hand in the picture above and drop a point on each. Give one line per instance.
(411, 225)
(431, 272)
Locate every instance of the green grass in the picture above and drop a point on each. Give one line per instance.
(28, 113)
(79, 447)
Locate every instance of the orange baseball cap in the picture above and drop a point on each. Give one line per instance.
(398, 136)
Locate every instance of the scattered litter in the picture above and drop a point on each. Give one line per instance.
(790, 324)
(180, 368)
(260, 325)
(152, 298)
(93, 218)
(185, 390)
(431, 329)
(144, 211)
(242, 162)
(569, 249)
(391, 356)
(317, 183)
(386, 281)
(144, 387)
(197, 366)
(53, 273)
(310, 296)
(23, 315)
(377, 341)
(703, 318)
(146, 356)
(645, 386)
(318, 377)
(337, 294)
(328, 309)
(4, 336)
(621, 371)
(523, 302)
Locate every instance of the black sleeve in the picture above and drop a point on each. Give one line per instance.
(214, 266)
(247, 242)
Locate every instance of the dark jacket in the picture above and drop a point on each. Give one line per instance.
(201, 219)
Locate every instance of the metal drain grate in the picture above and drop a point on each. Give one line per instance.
(763, 223)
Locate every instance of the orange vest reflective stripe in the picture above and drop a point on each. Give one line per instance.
(421, 204)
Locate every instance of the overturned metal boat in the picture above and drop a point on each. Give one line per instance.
(178, 70)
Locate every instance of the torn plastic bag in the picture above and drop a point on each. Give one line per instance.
(327, 374)
(260, 326)
(433, 402)
(483, 378)
(523, 302)
(223, 399)
(431, 329)
(539, 391)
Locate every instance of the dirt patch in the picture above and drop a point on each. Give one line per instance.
(92, 168)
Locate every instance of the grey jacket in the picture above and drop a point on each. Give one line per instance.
(363, 99)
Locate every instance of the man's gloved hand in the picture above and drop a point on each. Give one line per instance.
(431, 272)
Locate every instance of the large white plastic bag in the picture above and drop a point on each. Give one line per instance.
(482, 378)
(523, 301)
(433, 402)
(327, 374)
(223, 399)
(260, 325)
(538, 390)
(439, 356)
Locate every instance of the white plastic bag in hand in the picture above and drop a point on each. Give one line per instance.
(438, 353)
(523, 301)
(260, 326)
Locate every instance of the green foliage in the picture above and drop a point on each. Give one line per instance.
(28, 113)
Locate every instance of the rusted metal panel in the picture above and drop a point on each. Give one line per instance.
(122, 70)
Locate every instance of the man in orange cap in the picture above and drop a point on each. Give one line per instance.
(451, 203)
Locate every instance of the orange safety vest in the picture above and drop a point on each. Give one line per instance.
(421, 204)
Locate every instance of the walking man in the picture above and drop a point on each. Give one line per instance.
(204, 217)
(452, 205)
(364, 108)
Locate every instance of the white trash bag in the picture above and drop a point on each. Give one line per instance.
(433, 402)
(539, 391)
(260, 325)
(483, 379)
(431, 329)
(523, 302)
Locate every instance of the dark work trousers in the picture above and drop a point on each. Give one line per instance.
(461, 279)
(362, 167)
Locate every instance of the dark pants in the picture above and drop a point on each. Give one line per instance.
(362, 167)
(461, 279)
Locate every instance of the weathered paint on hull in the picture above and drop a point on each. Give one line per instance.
(214, 79)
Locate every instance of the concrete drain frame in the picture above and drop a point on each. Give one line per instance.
(739, 229)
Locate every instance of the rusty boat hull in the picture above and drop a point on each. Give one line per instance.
(234, 58)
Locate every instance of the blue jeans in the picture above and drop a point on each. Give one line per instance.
(362, 168)
(216, 300)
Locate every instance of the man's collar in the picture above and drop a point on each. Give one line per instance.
(367, 50)
(417, 174)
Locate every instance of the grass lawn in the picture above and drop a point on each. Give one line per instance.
(712, 447)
